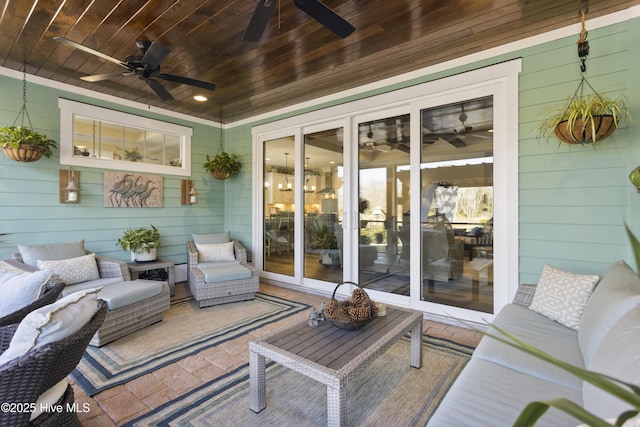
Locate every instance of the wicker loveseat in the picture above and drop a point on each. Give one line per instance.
(218, 270)
(132, 305)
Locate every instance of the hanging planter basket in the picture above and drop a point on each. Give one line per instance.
(24, 152)
(220, 174)
(595, 129)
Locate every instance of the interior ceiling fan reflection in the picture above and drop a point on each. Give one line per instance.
(145, 67)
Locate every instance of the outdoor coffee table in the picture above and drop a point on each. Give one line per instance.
(331, 355)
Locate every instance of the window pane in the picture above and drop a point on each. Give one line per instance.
(456, 216)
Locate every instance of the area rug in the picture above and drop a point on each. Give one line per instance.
(387, 392)
(185, 330)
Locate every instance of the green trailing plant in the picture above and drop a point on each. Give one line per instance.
(584, 109)
(139, 239)
(14, 136)
(223, 161)
(324, 239)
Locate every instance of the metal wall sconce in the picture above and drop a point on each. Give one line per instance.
(69, 186)
(188, 193)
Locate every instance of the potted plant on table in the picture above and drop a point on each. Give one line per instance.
(142, 242)
(585, 119)
(223, 165)
(23, 144)
(327, 242)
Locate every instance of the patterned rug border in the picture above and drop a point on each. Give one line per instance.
(125, 376)
(194, 398)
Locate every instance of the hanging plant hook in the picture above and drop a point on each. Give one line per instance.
(583, 44)
(23, 111)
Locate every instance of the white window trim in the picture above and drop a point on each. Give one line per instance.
(70, 108)
(501, 81)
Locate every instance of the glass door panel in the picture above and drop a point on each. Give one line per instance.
(323, 205)
(456, 204)
(383, 196)
(279, 206)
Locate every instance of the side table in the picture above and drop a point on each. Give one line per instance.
(136, 267)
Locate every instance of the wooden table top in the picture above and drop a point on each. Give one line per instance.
(333, 347)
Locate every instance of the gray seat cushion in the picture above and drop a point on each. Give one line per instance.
(490, 395)
(56, 251)
(541, 332)
(124, 294)
(225, 273)
(617, 292)
(98, 283)
(619, 357)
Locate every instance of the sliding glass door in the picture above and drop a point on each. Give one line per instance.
(412, 194)
(279, 205)
(383, 201)
(455, 226)
(324, 252)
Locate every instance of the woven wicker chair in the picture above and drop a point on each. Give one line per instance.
(49, 296)
(220, 292)
(25, 378)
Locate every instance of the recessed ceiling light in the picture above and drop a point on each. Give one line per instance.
(200, 98)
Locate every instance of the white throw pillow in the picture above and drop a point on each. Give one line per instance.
(52, 323)
(20, 289)
(215, 252)
(562, 296)
(73, 270)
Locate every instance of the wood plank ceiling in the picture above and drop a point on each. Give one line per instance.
(296, 60)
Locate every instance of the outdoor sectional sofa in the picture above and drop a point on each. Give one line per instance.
(132, 304)
(499, 381)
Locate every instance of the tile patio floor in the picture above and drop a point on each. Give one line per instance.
(117, 405)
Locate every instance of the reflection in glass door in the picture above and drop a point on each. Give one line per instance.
(383, 201)
(279, 207)
(323, 205)
(456, 204)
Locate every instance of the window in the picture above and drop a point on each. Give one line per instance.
(97, 137)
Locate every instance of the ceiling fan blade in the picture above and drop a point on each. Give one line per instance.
(91, 51)
(101, 77)
(326, 17)
(259, 20)
(155, 55)
(453, 140)
(188, 81)
(159, 89)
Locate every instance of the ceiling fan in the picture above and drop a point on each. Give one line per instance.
(313, 8)
(145, 67)
(450, 137)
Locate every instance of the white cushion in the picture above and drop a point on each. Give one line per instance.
(215, 252)
(49, 398)
(52, 323)
(562, 296)
(32, 253)
(73, 270)
(20, 289)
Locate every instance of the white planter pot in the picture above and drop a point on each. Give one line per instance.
(142, 255)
